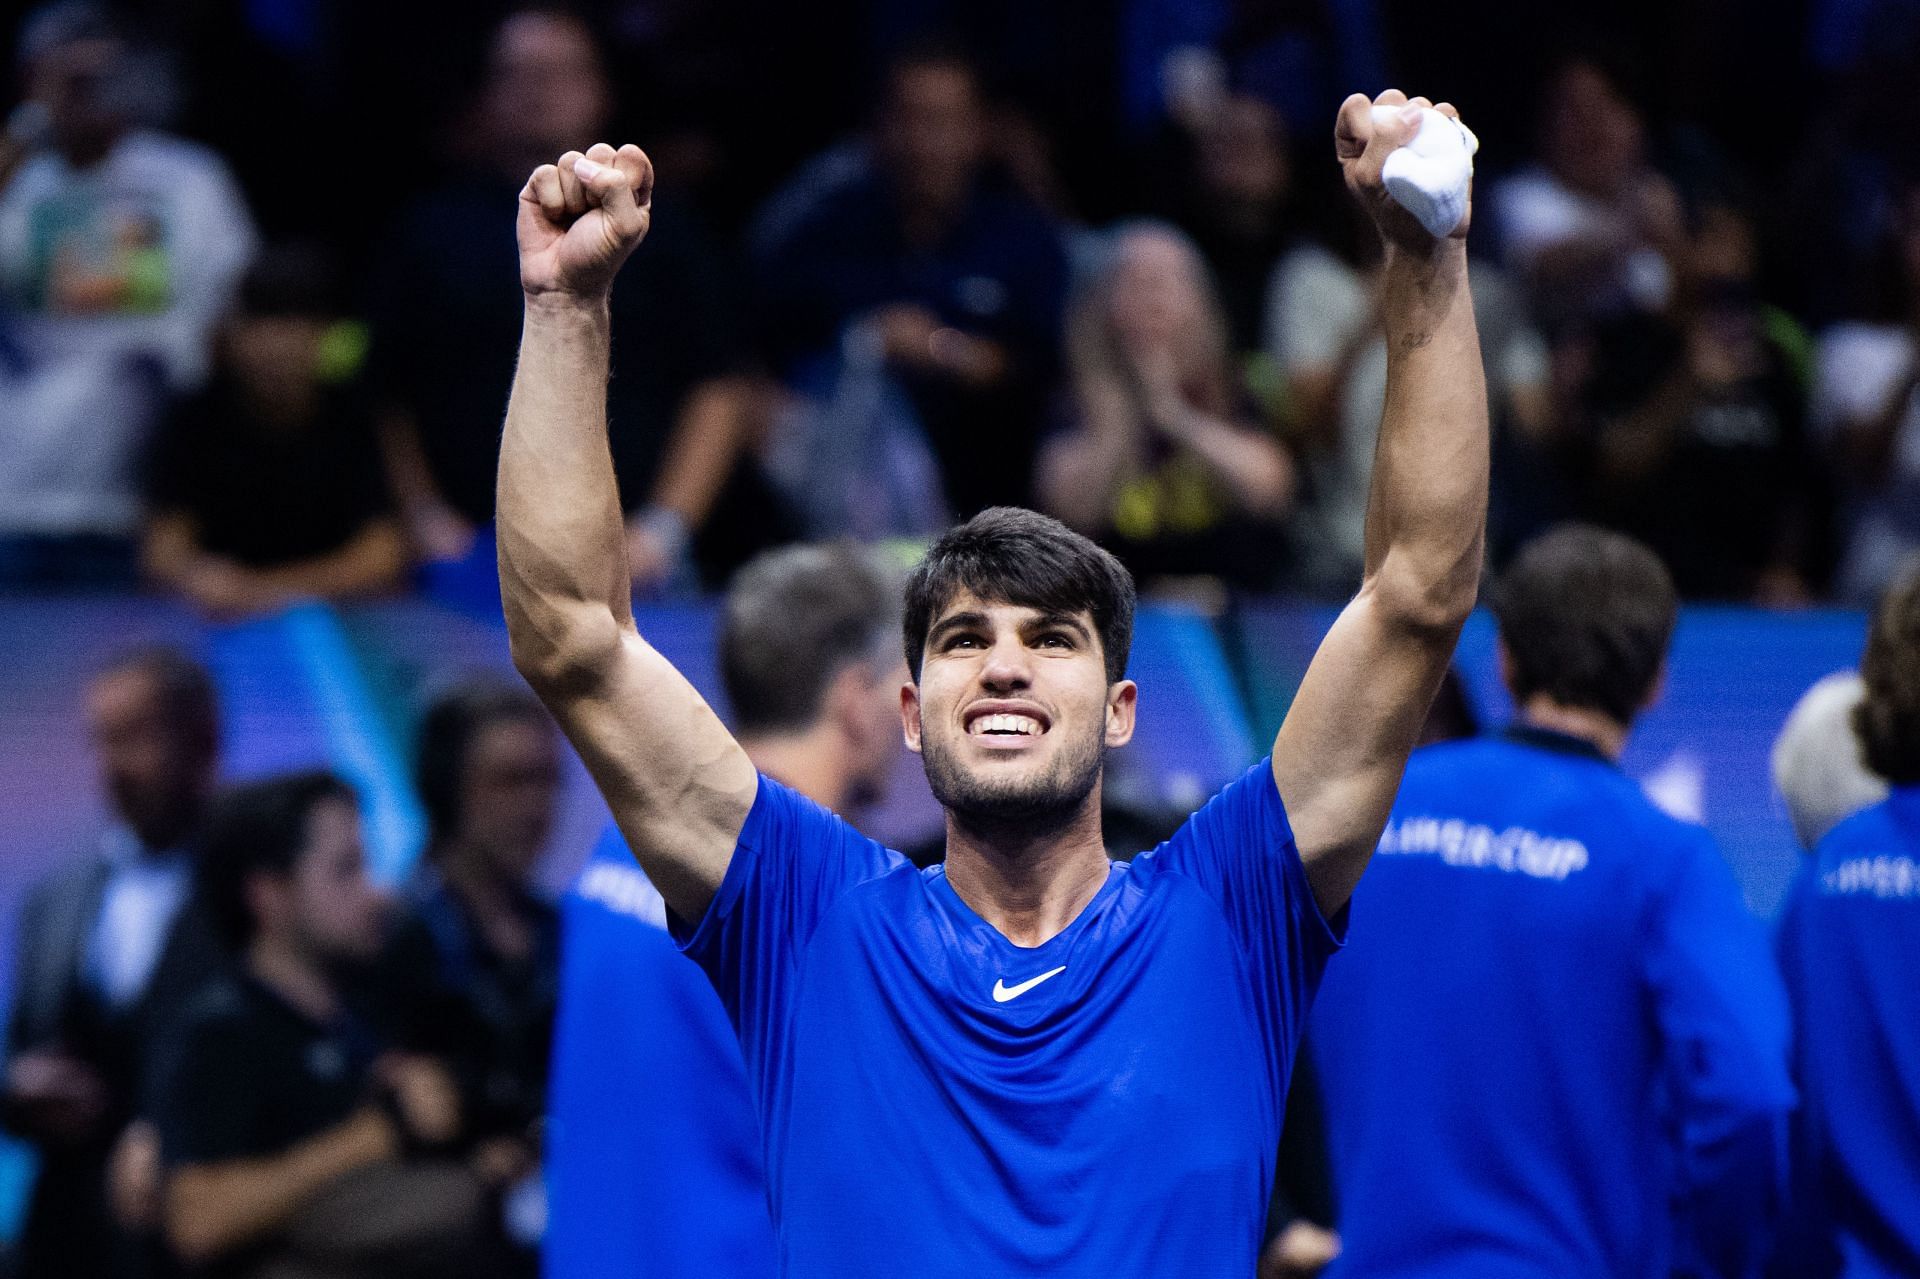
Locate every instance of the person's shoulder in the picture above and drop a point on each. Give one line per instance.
(149, 150)
(1871, 830)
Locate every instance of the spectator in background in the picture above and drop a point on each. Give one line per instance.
(1549, 982)
(1849, 946)
(446, 310)
(1591, 227)
(296, 1139)
(119, 250)
(267, 486)
(1162, 460)
(1695, 426)
(477, 927)
(108, 948)
(1232, 197)
(1819, 764)
(810, 658)
(1324, 336)
(916, 310)
(1866, 408)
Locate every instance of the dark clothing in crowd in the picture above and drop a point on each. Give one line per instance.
(266, 496)
(1733, 490)
(446, 333)
(73, 997)
(1000, 273)
(507, 1003)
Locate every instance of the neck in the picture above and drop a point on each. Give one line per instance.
(812, 761)
(291, 974)
(1028, 879)
(1605, 732)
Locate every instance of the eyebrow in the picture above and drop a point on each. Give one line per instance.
(956, 622)
(1060, 621)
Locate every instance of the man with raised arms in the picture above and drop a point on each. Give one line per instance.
(1028, 1060)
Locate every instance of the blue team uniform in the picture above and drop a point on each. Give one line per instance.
(1556, 1044)
(1850, 949)
(937, 1101)
(653, 1150)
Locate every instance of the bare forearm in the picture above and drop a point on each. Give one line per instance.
(1249, 465)
(563, 566)
(706, 443)
(212, 1209)
(372, 561)
(1426, 515)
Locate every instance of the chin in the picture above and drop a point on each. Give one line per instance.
(1027, 787)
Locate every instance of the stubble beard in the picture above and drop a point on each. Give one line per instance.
(1027, 803)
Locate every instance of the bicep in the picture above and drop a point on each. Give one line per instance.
(1340, 752)
(677, 783)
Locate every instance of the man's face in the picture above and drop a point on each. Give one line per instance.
(156, 772)
(933, 134)
(507, 790)
(1013, 714)
(332, 908)
(79, 84)
(545, 90)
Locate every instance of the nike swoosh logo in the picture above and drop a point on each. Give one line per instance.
(1003, 992)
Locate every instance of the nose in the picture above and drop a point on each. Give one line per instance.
(1006, 669)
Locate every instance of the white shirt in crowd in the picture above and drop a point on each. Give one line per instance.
(1860, 368)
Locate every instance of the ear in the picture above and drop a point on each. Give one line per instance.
(842, 702)
(1123, 699)
(265, 895)
(910, 715)
(1655, 690)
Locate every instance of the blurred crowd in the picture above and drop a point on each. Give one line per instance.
(258, 309)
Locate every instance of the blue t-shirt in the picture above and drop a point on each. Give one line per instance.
(1556, 1044)
(652, 1148)
(1850, 949)
(940, 1102)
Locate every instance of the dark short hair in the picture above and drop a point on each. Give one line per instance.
(456, 716)
(1888, 717)
(186, 690)
(1586, 616)
(258, 828)
(1007, 555)
(794, 619)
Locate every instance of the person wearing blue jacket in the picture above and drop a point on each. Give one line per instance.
(1850, 948)
(1555, 1044)
(648, 1087)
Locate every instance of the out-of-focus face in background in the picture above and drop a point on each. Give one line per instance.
(81, 83)
(336, 914)
(932, 134)
(509, 783)
(546, 91)
(1155, 301)
(156, 771)
(275, 359)
(1243, 160)
(1594, 136)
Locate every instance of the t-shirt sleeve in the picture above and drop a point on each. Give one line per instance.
(204, 1095)
(1240, 851)
(793, 860)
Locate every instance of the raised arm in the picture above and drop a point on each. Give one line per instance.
(678, 784)
(1340, 753)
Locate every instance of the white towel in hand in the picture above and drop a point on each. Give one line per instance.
(1431, 174)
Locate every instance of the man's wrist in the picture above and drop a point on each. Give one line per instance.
(560, 306)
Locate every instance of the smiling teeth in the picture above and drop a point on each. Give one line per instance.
(1024, 725)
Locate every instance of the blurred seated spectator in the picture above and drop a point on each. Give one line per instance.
(1867, 409)
(267, 487)
(1591, 226)
(915, 308)
(107, 950)
(1819, 764)
(1323, 330)
(476, 926)
(1695, 426)
(1849, 944)
(447, 304)
(1162, 460)
(119, 249)
(1231, 194)
(295, 1137)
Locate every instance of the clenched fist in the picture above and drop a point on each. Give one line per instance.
(580, 218)
(1363, 145)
